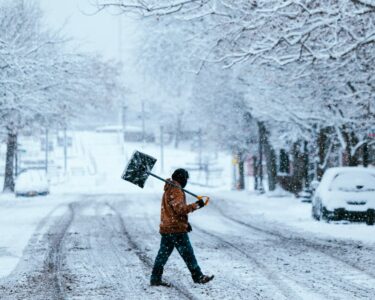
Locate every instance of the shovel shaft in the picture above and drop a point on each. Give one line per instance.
(171, 183)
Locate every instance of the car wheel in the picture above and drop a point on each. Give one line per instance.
(314, 216)
(314, 213)
(324, 214)
(370, 217)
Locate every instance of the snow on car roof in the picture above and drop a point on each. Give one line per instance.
(336, 170)
(332, 172)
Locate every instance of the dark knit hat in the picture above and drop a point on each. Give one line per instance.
(181, 176)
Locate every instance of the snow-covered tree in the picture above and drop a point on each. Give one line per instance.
(41, 82)
(165, 60)
(305, 67)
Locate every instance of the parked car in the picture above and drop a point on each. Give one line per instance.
(345, 193)
(136, 134)
(32, 183)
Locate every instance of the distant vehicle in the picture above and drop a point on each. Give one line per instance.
(33, 163)
(136, 134)
(130, 133)
(109, 129)
(345, 193)
(32, 183)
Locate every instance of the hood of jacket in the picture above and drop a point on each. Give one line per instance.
(168, 186)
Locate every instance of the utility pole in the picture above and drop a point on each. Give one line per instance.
(124, 108)
(200, 146)
(119, 40)
(46, 152)
(65, 151)
(123, 122)
(143, 122)
(162, 149)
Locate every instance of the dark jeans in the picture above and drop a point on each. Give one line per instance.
(182, 243)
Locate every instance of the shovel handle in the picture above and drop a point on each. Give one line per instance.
(186, 191)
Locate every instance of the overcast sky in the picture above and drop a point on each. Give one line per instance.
(97, 33)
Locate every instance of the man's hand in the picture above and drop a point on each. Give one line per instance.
(200, 203)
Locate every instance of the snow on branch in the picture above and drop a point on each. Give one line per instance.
(40, 80)
(151, 7)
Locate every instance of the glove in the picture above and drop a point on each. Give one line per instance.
(189, 229)
(200, 203)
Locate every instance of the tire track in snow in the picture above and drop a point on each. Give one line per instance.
(340, 280)
(319, 247)
(252, 291)
(98, 260)
(38, 274)
(97, 257)
(147, 261)
(256, 291)
(54, 258)
(279, 284)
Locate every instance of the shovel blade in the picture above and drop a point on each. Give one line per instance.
(138, 168)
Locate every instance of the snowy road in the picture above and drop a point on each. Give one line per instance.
(102, 247)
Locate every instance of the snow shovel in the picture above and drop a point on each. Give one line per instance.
(139, 168)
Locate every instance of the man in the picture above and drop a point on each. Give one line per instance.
(174, 227)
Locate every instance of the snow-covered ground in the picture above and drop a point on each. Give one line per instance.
(95, 164)
(95, 237)
(290, 211)
(19, 219)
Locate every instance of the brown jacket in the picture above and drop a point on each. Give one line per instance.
(174, 210)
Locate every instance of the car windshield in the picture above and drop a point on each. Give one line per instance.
(32, 177)
(353, 182)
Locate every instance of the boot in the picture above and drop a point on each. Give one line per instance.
(159, 283)
(156, 276)
(203, 279)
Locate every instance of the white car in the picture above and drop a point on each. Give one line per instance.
(32, 183)
(346, 193)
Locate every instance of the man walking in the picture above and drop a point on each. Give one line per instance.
(174, 227)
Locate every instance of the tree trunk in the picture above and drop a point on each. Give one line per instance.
(351, 140)
(241, 171)
(322, 149)
(255, 173)
(298, 167)
(271, 164)
(353, 159)
(306, 165)
(284, 162)
(270, 157)
(271, 167)
(178, 131)
(9, 163)
(365, 155)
